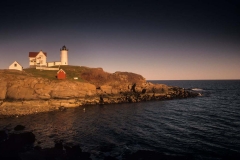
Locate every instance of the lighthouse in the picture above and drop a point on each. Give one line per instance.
(64, 55)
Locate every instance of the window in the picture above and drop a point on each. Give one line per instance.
(15, 65)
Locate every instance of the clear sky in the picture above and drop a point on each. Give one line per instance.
(161, 40)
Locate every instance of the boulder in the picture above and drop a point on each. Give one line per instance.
(67, 90)
(3, 135)
(17, 142)
(19, 128)
(19, 92)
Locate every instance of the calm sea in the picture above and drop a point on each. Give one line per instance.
(206, 127)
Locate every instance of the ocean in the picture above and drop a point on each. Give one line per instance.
(205, 127)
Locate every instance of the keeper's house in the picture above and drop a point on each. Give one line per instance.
(37, 59)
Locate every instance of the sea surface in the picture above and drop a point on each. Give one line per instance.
(205, 127)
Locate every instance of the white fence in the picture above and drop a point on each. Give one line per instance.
(46, 68)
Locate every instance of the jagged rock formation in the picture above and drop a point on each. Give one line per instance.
(21, 93)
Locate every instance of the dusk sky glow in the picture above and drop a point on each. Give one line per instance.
(161, 40)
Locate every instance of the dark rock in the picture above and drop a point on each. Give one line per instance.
(3, 135)
(101, 100)
(58, 145)
(107, 147)
(85, 156)
(74, 150)
(51, 153)
(16, 143)
(133, 88)
(10, 156)
(62, 108)
(19, 128)
(37, 148)
(144, 91)
(110, 158)
(24, 138)
(20, 146)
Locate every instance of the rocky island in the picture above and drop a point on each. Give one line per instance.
(32, 91)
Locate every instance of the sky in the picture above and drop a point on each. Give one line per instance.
(161, 40)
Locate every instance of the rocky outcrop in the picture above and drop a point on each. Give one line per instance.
(22, 94)
(38, 88)
(99, 78)
(66, 90)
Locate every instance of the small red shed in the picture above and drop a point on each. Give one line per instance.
(61, 74)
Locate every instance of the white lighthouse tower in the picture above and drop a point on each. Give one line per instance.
(64, 55)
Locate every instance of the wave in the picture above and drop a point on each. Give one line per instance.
(197, 89)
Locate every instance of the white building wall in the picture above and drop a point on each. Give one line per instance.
(32, 61)
(41, 59)
(50, 64)
(58, 63)
(16, 65)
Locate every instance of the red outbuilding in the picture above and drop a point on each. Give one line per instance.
(61, 74)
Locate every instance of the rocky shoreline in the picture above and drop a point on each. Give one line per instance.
(23, 94)
(25, 107)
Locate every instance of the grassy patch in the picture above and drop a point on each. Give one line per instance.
(41, 73)
(12, 71)
(71, 72)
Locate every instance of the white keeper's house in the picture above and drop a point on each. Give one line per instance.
(39, 59)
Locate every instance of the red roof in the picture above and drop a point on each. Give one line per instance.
(34, 54)
(61, 70)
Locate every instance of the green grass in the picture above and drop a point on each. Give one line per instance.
(12, 72)
(71, 72)
(41, 73)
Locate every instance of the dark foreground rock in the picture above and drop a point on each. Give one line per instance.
(19, 128)
(13, 144)
(20, 146)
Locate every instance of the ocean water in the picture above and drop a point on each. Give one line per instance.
(205, 127)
